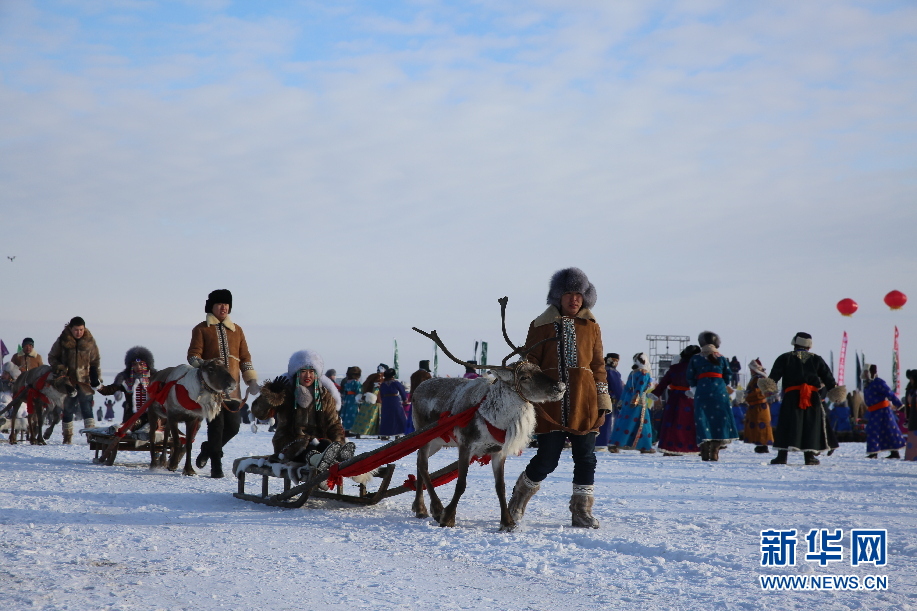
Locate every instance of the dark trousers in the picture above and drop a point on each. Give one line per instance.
(219, 431)
(80, 406)
(550, 447)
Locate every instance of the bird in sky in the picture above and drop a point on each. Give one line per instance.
(11, 258)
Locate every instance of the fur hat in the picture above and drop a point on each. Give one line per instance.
(424, 365)
(28, 340)
(76, 321)
(354, 373)
(571, 280)
(218, 296)
(803, 340)
(389, 374)
(757, 367)
(869, 372)
(331, 374)
(641, 361)
(381, 368)
(304, 359)
(138, 353)
(708, 337)
(612, 355)
(689, 352)
(12, 370)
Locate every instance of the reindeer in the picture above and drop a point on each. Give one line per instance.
(502, 426)
(185, 394)
(53, 386)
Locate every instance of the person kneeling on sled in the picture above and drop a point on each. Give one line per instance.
(304, 404)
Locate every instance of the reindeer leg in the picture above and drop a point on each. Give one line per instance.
(166, 440)
(154, 425)
(190, 434)
(419, 507)
(174, 444)
(436, 506)
(448, 517)
(506, 520)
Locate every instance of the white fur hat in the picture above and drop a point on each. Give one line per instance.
(309, 359)
(641, 361)
(11, 369)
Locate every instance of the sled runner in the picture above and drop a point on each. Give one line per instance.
(106, 443)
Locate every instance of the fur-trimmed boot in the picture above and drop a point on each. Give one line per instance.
(705, 451)
(810, 458)
(581, 503)
(89, 423)
(13, 433)
(780, 459)
(523, 492)
(713, 449)
(68, 433)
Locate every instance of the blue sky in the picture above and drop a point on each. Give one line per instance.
(353, 169)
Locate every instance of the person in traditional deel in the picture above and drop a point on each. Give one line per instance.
(132, 383)
(367, 421)
(801, 423)
(304, 404)
(576, 360)
(910, 406)
(350, 393)
(421, 375)
(632, 429)
(758, 429)
(882, 431)
(615, 390)
(219, 337)
(707, 374)
(392, 418)
(677, 434)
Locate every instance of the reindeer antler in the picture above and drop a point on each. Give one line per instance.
(527, 349)
(435, 337)
(503, 301)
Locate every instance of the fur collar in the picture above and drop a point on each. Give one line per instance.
(69, 342)
(552, 314)
(213, 321)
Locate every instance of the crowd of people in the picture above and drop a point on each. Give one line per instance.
(696, 408)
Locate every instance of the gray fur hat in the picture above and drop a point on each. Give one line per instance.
(135, 353)
(708, 337)
(571, 280)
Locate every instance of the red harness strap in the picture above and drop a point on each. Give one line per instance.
(33, 393)
(498, 434)
(157, 394)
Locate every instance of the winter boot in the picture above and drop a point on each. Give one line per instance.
(216, 468)
(893, 454)
(203, 457)
(780, 459)
(321, 462)
(762, 450)
(89, 423)
(873, 455)
(614, 449)
(581, 507)
(13, 433)
(347, 451)
(705, 451)
(68, 433)
(810, 458)
(523, 492)
(713, 449)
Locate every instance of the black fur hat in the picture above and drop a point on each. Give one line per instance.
(612, 355)
(802, 340)
(425, 365)
(708, 337)
(571, 280)
(690, 351)
(389, 374)
(218, 296)
(141, 353)
(354, 372)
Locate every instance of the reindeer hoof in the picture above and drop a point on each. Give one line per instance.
(421, 515)
(448, 523)
(191, 472)
(507, 528)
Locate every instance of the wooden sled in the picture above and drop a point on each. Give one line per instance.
(107, 446)
(296, 496)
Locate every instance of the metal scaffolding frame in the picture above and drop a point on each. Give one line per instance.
(661, 361)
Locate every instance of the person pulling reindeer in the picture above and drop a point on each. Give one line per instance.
(576, 360)
(304, 404)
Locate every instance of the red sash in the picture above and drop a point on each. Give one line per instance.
(805, 394)
(681, 388)
(710, 374)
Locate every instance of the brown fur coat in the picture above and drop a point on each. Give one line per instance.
(78, 356)
(27, 361)
(297, 426)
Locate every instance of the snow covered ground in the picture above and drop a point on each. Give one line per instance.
(676, 534)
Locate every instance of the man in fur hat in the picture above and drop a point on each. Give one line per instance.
(219, 337)
(27, 358)
(76, 351)
(801, 423)
(576, 360)
(133, 382)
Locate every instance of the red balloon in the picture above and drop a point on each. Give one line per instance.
(895, 300)
(847, 306)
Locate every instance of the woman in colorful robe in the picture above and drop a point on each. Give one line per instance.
(350, 394)
(633, 430)
(677, 436)
(713, 420)
(882, 432)
(758, 428)
(392, 418)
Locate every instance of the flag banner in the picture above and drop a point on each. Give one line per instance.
(896, 365)
(842, 361)
(3, 350)
(859, 380)
(396, 359)
(435, 361)
(483, 353)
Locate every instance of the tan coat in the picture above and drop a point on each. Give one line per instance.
(211, 340)
(78, 356)
(580, 408)
(297, 426)
(26, 361)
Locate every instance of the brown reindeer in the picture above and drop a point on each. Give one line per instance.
(185, 394)
(49, 387)
(502, 426)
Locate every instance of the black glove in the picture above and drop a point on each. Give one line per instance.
(94, 377)
(278, 385)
